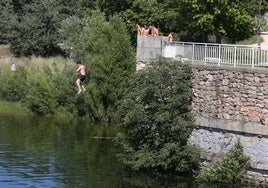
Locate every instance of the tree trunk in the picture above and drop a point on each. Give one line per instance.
(218, 39)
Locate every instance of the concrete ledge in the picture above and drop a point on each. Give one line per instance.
(236, 126)
(207, 66)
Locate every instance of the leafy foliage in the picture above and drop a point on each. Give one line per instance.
(36, 30)
(32, 26)
(45, 91)
(108, 7)
(229, 169)
(7, 20)
(41, 97)
(219, 18)
(13, 85)
(157, 120)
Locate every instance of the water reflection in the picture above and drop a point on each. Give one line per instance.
(44, 152)
(49, 152)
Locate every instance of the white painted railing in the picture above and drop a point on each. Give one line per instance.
(227, 54)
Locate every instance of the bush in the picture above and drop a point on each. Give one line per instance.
(13, 85)
(41, 96)
(230, 168)
(47, 86)
(156, 119)
(65, 88)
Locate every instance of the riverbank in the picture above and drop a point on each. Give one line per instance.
(13, 108)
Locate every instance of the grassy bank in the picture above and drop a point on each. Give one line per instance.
(41, 85)
(35, 63)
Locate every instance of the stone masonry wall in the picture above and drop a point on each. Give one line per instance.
(231, 104)
(231, 94)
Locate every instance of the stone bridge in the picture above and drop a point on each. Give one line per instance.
(230, 103)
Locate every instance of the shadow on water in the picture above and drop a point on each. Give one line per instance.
(49, 152)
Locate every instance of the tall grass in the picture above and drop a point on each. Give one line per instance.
(35, 63)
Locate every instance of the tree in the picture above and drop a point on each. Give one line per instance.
(157, 12)
(108, 7)
(36, 31)
(216, 17)
(257, 9)
(8, 18)
(104, 47)
(156, 119)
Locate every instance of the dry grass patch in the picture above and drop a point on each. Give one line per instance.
(4, 51)
(35, 63)
(30, 63)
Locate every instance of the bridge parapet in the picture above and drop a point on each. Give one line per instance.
(150, 48)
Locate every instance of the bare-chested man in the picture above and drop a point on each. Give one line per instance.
(155, 31)
(145, 31)
(171, 37)
(139, 29)
(79, 82)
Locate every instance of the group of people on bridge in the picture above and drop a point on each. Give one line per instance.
(151, 30)
(145, 30)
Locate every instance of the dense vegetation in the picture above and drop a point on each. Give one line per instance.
(157, 119)
(32, 26)
(109, 63)
(45, 88)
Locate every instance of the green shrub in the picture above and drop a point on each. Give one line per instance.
(65, 88)
(41, 96)
(13, 85)
(47, 86)
(156, 118)
(230, 168)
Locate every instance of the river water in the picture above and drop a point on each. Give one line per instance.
(60, 153)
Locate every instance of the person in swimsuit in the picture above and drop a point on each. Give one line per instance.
(155, 31)
(79, 82)
(139, 29)
(170, 37)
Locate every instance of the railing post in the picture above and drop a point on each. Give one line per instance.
(219, 55)
(259, 54)
(252, 62)
(205, 53)
(193, 51)
(235, 57)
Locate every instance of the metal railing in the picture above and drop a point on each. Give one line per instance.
(227, 54)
